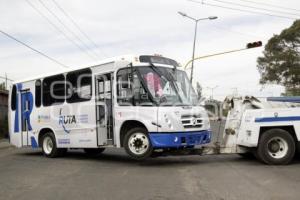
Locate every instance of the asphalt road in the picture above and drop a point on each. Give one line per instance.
(27, 174)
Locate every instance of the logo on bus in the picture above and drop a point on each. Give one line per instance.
(68, 119)
(63, 120)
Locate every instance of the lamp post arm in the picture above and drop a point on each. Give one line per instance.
(211, 55)
(192, 18)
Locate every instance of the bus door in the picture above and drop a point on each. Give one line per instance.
(26, 108)
(104, 109)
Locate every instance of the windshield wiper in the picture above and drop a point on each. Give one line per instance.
(169, 78)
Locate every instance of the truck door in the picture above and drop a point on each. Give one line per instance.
(104, 109)
(26, 108)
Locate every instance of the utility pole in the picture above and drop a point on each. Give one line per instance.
(5, 81)
(212, 91)
(235, 91)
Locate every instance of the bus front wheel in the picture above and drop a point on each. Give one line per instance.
(137, 143)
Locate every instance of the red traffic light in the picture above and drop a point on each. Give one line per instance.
(254, 44)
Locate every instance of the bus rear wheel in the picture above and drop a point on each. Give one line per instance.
(49, 146)
(137, 144)
(276, 147)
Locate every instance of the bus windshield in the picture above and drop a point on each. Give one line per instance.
(168, 86)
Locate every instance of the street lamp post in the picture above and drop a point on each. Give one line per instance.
(195, 35)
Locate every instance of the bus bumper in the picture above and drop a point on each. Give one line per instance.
(179, 139)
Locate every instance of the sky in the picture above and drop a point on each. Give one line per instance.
(118, 27)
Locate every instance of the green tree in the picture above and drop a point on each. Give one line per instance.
(2, 86)
(280, 62)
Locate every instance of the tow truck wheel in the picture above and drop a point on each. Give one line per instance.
(276, 147)
(137, 144)
(49, 146)
(93, 151)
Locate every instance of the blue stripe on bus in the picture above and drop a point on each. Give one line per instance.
(34, 144)
(278, 119)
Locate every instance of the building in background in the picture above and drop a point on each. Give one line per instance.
(3, 113)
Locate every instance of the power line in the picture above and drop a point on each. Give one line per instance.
(271, 5)
(242, 10)
(65, 26)
(236, 32)
(33, 49)
(57, 28)
(257, 8)
(250, 11)
(6, 78)
(77, 26)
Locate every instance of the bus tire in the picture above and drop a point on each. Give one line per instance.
(93, 151)
(137, 143)
(276, 147)
(49, 146)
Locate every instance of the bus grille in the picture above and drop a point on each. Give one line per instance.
(191, 121)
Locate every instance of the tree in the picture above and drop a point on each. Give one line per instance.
(280, 62)
(2, 86)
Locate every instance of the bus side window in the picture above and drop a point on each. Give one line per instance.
(124, 90)
(101, 89)
(38, 93)
(140, 95)
(79, 86)
(13, 98)
(54, 90)
(127, 90)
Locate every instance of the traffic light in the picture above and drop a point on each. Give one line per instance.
(254, 44)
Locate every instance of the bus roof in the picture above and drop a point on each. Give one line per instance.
(130, 58)
(66, 70)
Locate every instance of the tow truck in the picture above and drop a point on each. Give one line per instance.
(268, 128)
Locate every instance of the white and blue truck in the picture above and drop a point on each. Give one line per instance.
(269, 128)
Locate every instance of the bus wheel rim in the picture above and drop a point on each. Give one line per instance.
(277, 147)
(48, 145)
(138, 143)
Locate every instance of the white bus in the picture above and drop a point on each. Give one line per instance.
(144, 104)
